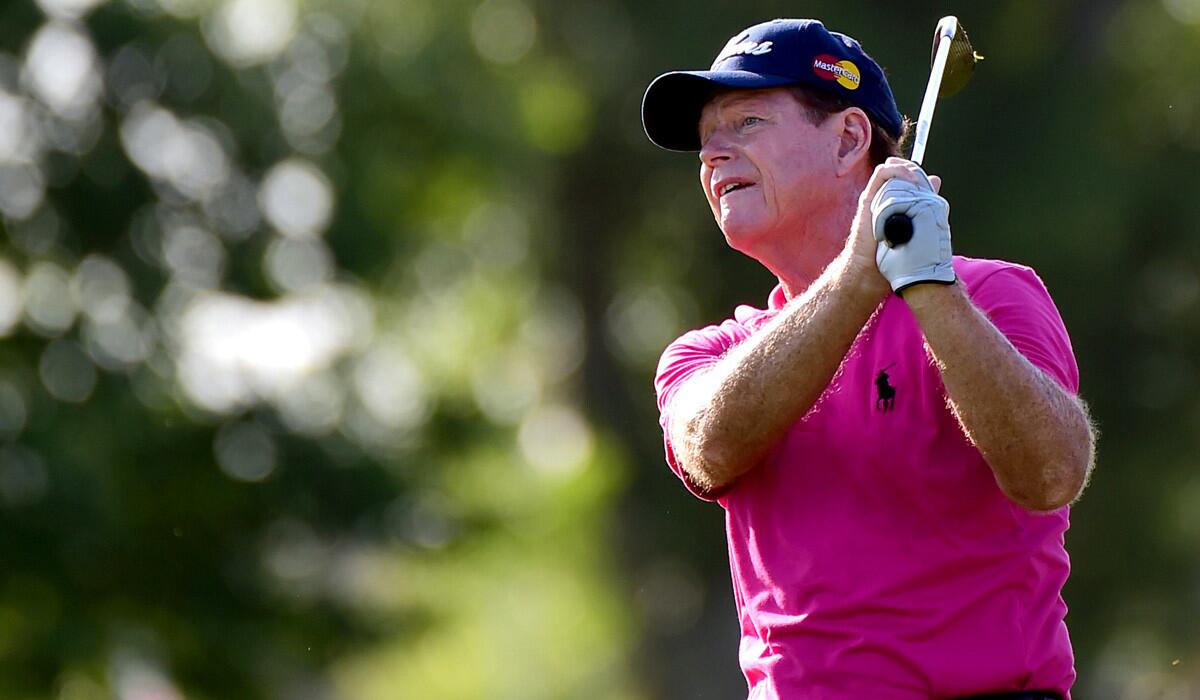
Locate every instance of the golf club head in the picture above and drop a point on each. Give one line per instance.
(960, 63)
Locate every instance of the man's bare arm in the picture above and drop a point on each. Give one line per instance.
(726, 418)
(1035, 436)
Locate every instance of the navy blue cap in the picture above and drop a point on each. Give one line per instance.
(771, 54)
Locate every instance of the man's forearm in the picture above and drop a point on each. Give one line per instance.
(725, 419)
(1035, 436)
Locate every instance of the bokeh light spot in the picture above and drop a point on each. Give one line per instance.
(556, 113)
(138, 678)
(554, 334)
(390, 386)
(13, 410)
(313, 406)
(503, 31)
(297, 198)
(194, 255)
(401, 29)
(498, 234)
(245, 451)
(68, 9)
(235, 351)
(295, 264)
(22, 189)
(101, 289)
(49, 306)
(424, 520)
(133, 77)
(185, 154)
(120, 343)
(67, 372)
(555, 439)
(19, 133)
(11, 304)
(306, 110)
(1185, 11)
(642, 321)
(62, 71)
(247, 32)
(505, 387)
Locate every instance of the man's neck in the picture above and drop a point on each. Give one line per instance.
(803, 253)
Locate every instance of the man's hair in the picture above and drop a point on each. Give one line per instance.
(820, 105)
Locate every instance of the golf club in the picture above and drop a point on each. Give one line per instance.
(953, 62)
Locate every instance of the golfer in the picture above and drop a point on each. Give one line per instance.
(895, 437)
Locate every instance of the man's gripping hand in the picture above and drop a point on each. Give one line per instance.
(927, 257)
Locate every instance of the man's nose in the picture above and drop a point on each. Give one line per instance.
(716, 148)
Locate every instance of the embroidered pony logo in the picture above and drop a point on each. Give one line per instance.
(887, 393)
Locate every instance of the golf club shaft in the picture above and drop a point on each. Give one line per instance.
(925, 118)
(898, 228)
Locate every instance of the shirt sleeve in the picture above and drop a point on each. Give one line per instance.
(691, 353)
(1016, 301)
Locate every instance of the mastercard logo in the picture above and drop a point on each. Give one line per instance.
(844, 72)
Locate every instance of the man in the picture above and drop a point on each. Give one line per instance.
(895, 438)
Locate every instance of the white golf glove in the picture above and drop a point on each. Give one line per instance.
(925, 258)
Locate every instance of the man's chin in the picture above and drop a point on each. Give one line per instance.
(740, 235)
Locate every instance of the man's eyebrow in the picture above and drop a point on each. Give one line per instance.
(741, 101)
(729, 101)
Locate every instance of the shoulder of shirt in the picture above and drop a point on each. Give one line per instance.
(745, 321)
(729, 328)
(975, 271)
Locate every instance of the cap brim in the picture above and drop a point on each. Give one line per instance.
(672, 104)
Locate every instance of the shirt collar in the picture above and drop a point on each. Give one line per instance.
(746, 314)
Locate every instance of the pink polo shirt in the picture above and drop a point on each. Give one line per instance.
(872, 553)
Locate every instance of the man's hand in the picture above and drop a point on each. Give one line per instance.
(861, 248)
(927, 257)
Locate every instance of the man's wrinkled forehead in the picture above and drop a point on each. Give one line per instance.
(733, 99)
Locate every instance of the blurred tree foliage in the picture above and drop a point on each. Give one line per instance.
(329, 329)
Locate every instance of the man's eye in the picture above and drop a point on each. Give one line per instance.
(750, 121)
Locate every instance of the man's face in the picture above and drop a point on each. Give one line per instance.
(765, 167)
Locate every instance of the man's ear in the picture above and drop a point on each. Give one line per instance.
(854, 145)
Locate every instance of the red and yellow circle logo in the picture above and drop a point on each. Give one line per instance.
(831, 68)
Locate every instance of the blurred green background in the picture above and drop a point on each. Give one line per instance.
(329, 329)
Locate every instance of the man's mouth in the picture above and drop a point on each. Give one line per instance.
(732, 187)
